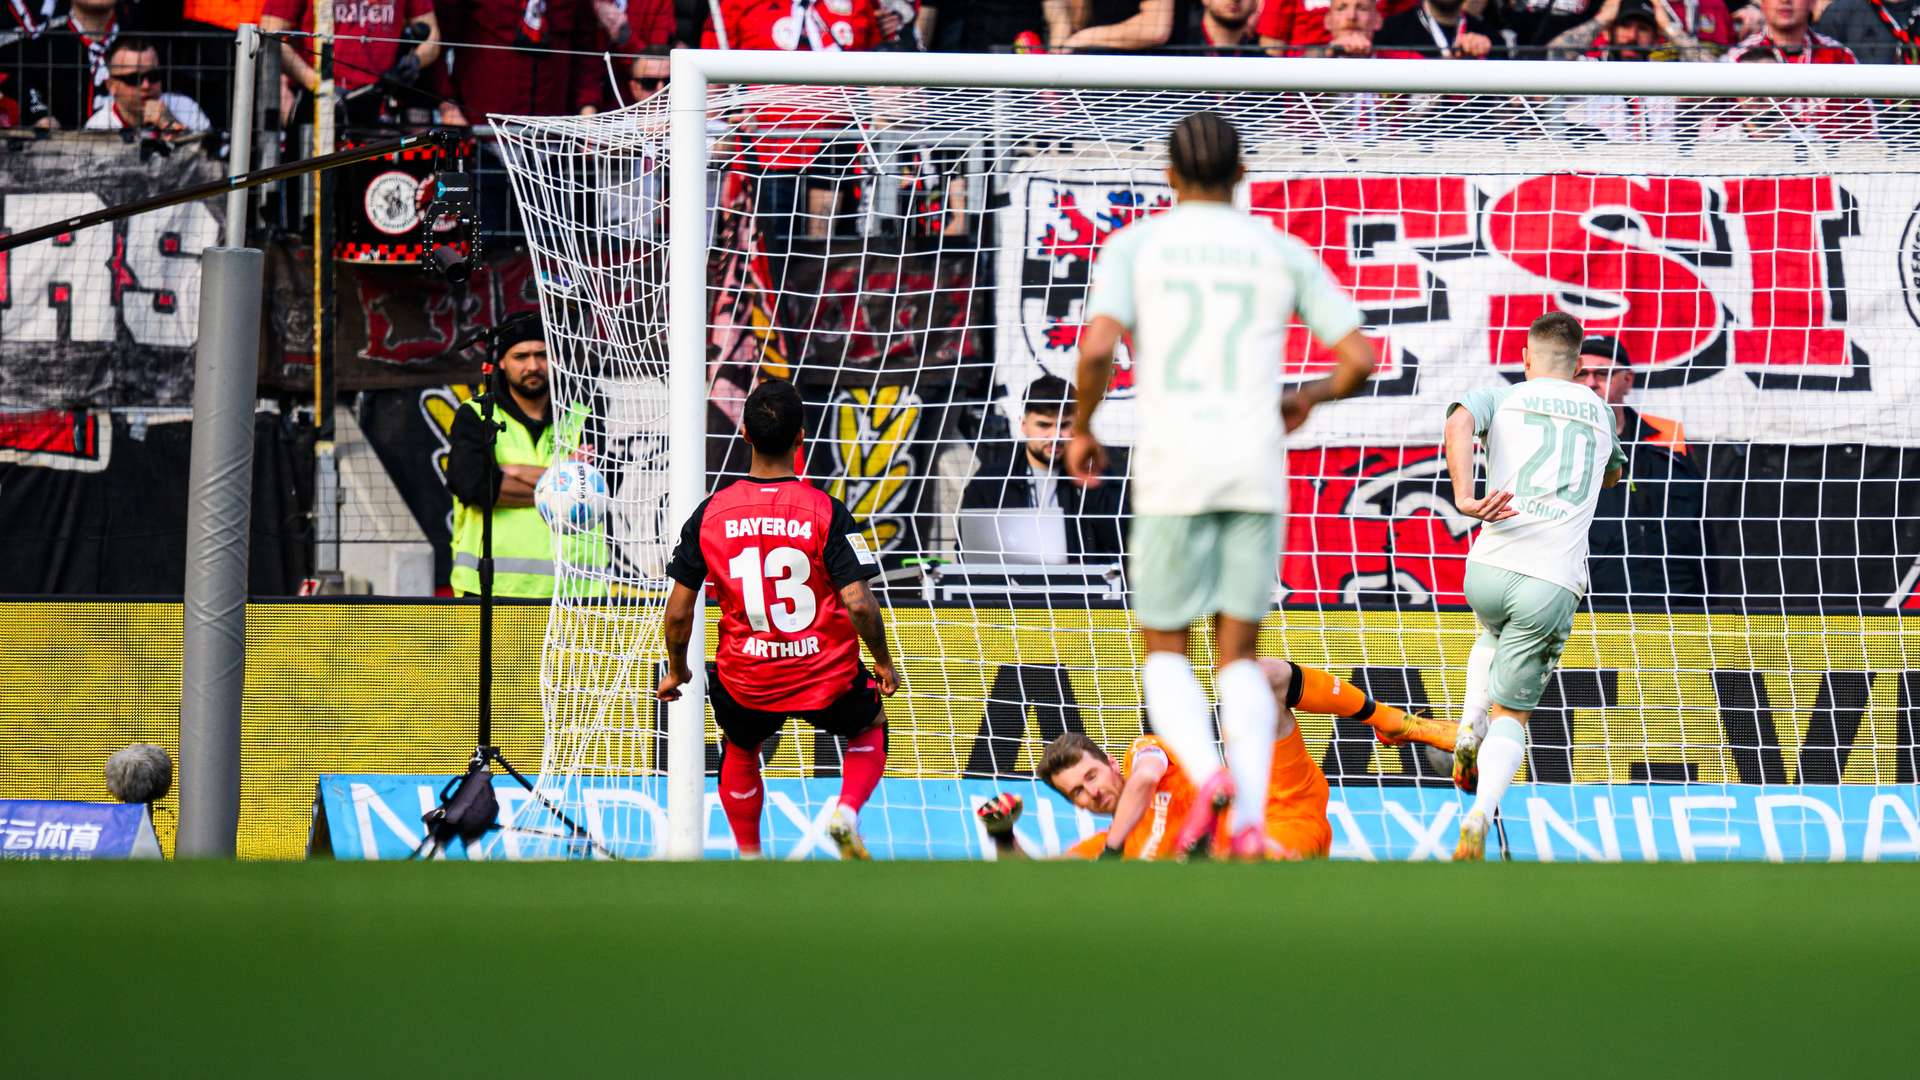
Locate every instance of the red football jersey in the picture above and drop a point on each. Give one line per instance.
(1827, 117)
(1298, 23)
(778, 552)
(818, 25)
(795, 134)
(357, 62)
(1819, 49)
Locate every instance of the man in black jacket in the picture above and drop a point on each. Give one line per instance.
(1028, 476)
(1648, 542)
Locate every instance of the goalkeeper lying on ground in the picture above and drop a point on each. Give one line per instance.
(1148, 794)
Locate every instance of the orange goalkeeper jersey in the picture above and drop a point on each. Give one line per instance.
(1296, 805)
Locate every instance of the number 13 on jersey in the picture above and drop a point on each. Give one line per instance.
(787, 569)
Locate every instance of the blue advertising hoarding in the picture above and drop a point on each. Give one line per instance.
(50, 829)
(378, 817)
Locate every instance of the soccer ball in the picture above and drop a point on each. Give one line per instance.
(572, 496)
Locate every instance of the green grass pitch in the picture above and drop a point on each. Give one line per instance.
(967, 970)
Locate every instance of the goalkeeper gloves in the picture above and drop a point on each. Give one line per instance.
(999, 813)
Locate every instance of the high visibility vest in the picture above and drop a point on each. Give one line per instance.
(227, 13)
(1667, 433)
(523, 546)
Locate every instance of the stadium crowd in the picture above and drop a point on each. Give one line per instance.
(161, 66)
(463, 59)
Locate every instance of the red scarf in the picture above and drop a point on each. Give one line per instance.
(1909, 49)
(533, 22)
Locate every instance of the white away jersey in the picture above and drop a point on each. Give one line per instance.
(1208, 291)
(1551, 443)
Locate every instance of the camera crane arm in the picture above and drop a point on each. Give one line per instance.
(286, 171)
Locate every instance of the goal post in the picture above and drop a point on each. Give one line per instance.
(687, 482)
(1094, 123)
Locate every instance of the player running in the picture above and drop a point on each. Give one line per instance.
(1208, 292)
(792, 586)
(1551, 447)
(1148, 792)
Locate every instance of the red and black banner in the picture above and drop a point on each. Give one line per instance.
(106, 316)
(1780, 306)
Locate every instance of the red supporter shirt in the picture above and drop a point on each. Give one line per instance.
(651, 22)
(778, 552)
(789, 25)
(1299, 23)
(1846, 118)
(1820, 49)
(1712, 25)
(1302, 24)
(356, 63)
(798, 133)
(524, 82)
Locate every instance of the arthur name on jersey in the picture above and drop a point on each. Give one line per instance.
(763, 649)
(789, 528)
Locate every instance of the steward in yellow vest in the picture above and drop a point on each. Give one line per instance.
(528, 439)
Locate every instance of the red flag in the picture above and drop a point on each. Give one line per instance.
(743, 336)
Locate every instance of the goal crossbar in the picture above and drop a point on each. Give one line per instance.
(1328, 75)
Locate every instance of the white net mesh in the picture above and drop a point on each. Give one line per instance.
(593, 201)
(915, 258)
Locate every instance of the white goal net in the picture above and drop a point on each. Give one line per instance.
(1742, 678)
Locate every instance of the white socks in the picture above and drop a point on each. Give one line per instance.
(1479, 678)
(1177, 709)
(1504, 748)
(1248, 718)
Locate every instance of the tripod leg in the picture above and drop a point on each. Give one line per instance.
(426, 849)
(574, 829)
